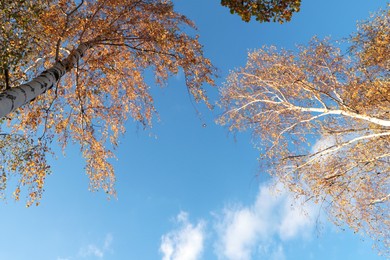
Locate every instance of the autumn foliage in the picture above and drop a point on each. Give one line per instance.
(263, 10)
(91, 103)
(322, 121)
(19, 32)
(320, 115)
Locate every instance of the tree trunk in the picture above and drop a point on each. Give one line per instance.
(13, 98)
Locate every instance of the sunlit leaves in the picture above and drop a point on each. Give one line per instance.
(19, 36)
(264, 10)
(322, 121)
(24, 162)
(372, 42)
(106, 87)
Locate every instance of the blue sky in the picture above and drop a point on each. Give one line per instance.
(186, 191)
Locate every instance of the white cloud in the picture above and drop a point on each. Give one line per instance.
(184, 243)
(91, 250)
(293, 221)
(107, 242)
(278, 254)
(323, 143)
(238, 231)
(274, 215)
(96, 251)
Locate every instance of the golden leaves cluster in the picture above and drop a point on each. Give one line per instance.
(90, 105)
(19, 36)
(263, 10)
(322, 121)
(25, 161)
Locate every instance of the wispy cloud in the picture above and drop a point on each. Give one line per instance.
(278, 254)
(93, 250)
(274, 216)
(186, 242)
(108, 242)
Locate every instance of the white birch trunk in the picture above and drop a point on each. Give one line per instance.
(374, 120)
(13, 98)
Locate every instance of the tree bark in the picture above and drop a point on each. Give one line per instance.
(6, 77)
(13, 98)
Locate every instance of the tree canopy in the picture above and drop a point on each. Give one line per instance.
(19, 32)
(263, 10)
(102, 50)
(322, 120)
(321, 117)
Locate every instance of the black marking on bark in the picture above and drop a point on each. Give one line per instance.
(56, 74)
(50, 72)
(24, 93)
(12, 98)
(60, 71)
(31, 88)
(42, 84)
(9, 96)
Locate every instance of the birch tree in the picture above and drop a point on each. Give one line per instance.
(322, 122)
(85, 78)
